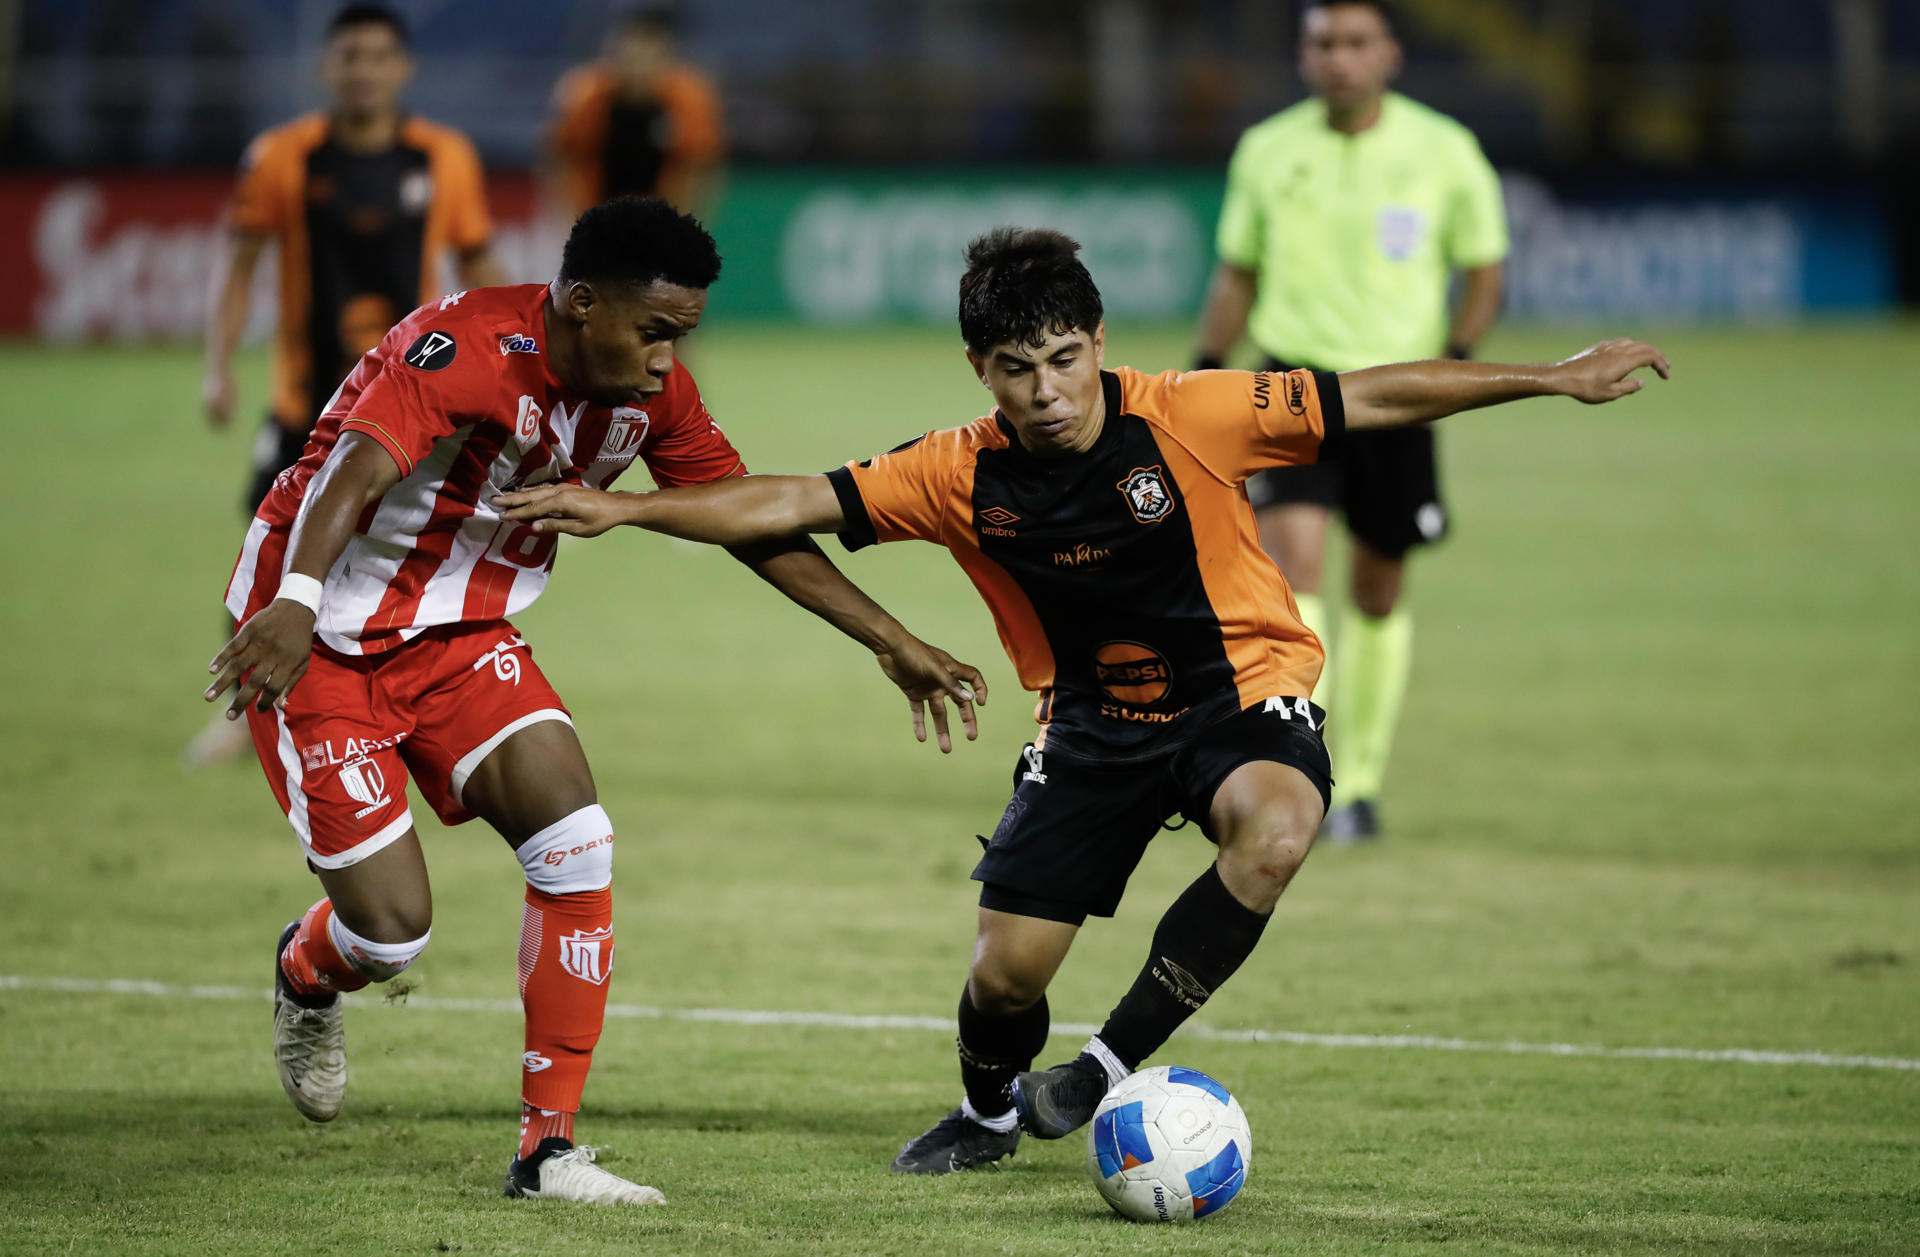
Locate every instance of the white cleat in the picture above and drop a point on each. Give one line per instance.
(560, 1171)
(309, 1047)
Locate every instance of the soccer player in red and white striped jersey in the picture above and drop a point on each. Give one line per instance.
(372, 593)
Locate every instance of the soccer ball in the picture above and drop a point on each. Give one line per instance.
(1169, 1144)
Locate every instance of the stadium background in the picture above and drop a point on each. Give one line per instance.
(1654, 788)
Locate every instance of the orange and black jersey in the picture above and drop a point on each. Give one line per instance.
(608, 146)
(1127, 582)
(361, 240)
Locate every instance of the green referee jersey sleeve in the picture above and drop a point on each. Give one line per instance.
(1355, 238)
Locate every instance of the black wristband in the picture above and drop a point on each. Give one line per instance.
(1208, 362)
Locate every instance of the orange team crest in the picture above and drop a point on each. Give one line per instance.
(1147, 495)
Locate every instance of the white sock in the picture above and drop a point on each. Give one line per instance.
(998, 1125)
(1108, 1061)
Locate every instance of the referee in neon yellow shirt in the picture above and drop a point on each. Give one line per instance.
(1345, 219)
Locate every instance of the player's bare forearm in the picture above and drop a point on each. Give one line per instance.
(232, 284)
(268, 655)
(799, 570)
(1481, 290)
(1417, 392)
(927, 675)
(737, 511)
(358, 473)
(1229, 300)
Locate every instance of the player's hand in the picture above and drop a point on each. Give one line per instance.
(217, 394)
(569, 508)
(929, 676)
(267, 657)
(1600, 374)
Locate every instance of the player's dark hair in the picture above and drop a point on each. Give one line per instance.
(638, 240)
(651, 17)
(1023, 284)
(1378, 6)
(369, 15)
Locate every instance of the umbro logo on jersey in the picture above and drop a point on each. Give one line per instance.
(518, 343)
(1147, 495)
(995, 521)
(430, 353)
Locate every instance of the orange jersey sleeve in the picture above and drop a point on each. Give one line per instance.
(698, 138)
(1239, 422)
(904, 494)
(460, 183)
(267, 197)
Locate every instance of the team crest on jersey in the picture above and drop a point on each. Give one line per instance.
(588, 954)
(416, 192)
(518, 343)
(431, 352)
(624, 435)
(1147, 495)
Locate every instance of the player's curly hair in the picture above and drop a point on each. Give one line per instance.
(638, 240)
(1023, 284)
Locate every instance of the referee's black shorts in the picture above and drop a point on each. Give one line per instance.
(1076, 828)
(1385, 482)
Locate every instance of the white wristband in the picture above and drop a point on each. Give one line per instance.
(301, 589)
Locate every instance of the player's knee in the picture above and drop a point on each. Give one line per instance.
(1002, 989)
(378, 961)
(1267, 847)
(572, 855)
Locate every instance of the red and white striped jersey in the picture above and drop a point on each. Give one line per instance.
(460, 394)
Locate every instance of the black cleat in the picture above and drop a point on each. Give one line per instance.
(1358, 821)
(1053, 1103)
(956, 1142)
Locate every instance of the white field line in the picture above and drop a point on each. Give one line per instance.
(857, 1021)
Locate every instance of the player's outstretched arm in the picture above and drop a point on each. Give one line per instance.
(744, 513)
(737, 511)
(269, 654)
(1416, 392)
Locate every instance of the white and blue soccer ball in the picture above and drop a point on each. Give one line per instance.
(1169, 1144)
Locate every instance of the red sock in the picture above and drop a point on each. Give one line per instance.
(313, 965)
(566, 955)
(538, 1124)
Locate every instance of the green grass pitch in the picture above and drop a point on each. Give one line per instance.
(1654, 788)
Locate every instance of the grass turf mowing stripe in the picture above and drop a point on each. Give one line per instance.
(859, 1021)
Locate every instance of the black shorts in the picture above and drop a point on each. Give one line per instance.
(1075, 828)
(275, 448)
(1385, 482)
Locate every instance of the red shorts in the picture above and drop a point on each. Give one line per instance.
(339, 755)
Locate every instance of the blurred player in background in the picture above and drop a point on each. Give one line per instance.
(373, 591)
(639, 121)
(364, 203)
(1345, 219)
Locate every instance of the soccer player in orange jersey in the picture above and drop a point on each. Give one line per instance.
(372, 593)
(638, 122)
(364, 204)
(1103, 517)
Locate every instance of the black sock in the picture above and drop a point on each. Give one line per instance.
(1198, 944)
(994, 1049)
